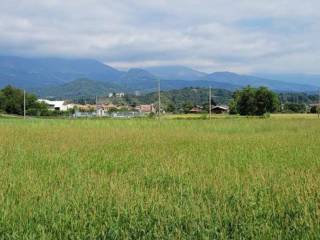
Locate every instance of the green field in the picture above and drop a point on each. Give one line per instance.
(229, 178)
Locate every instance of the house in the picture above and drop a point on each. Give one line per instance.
(109, 106)
(57, 105)
(120, 95)
(145, 108)
(85, 108)
(100, 112)
(219, 109)
(196, 110)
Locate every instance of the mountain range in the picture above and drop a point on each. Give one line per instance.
(72, 77)
(311, 79)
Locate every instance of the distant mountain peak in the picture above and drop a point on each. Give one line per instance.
(136, 74)
(40, 73)
(176, 73)
(245, 80)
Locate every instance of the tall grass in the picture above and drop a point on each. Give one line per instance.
(173, 179)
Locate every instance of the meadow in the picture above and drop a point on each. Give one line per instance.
(228, 178)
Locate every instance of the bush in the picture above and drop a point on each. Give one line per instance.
(233, 107)
(152, 115)
(295, 108)
(314, 109)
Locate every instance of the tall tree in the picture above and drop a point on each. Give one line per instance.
(266, 101)
(246, 101)
(12, 101)
(252, 101)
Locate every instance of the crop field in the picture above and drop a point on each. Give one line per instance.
(228, 178)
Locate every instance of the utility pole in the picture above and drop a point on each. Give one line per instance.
(24, 104)
(97, 109)
(210, 102)
(159, 99)
(318, 108)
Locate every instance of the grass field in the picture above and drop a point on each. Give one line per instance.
(169, 179)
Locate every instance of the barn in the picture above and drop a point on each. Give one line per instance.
(220, 109)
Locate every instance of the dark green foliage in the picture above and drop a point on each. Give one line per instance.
(266, 101)
(233, 107)
(314, 109)
(295, 108)
(11, 102)
(298, 98)
(112, 110)
(152, 115)
(246, 101)
(82, 87)
(170, 108)
(40, 109)
(187, 107)
(254, 101)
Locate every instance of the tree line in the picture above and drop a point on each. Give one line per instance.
(259, 101)
(12, 102)
(246, 101)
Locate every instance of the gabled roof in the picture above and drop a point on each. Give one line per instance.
(221, 107)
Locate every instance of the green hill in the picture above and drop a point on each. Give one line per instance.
(80, 87)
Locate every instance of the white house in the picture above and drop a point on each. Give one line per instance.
(120, 94)
(57, 105)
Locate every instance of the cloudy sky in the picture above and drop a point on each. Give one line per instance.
(211, 35)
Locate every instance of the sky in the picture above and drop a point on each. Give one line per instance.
(245, 36)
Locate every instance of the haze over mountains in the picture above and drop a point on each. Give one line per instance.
(176, 73)
(71, 77)
(309, 79)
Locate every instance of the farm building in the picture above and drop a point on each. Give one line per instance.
(57, 105)
(219, 109)
(196, 110)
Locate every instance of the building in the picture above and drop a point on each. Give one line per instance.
(196, 110)
(120, 95)
(85, 108)
(57, 105)
(100, 112)
(109, 106)
(145, 108)
(220, 109)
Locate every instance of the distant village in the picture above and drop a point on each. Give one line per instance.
(100, 109)
(107, 108)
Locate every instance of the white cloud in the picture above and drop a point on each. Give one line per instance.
(210, 35)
